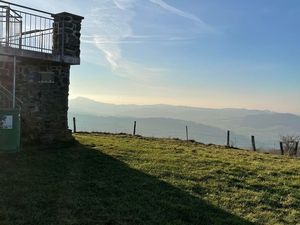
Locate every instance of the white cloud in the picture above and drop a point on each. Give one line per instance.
(108, 25)
(184, 14)
(124, 4)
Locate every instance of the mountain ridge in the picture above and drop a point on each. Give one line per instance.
(169, 105)
(266, 126)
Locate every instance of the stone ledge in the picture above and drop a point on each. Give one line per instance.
(67, 14)
(9, 51)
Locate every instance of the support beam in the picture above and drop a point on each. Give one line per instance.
(14, 82)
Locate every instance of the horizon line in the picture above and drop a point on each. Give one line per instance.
(184, 106)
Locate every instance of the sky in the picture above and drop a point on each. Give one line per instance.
(206, 53)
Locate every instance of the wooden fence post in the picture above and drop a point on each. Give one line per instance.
(228, 138)
(253, 143)
(74, 125)
(187, 133)
(281, 148)
(134, 128)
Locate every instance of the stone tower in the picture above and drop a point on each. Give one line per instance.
(38, 49)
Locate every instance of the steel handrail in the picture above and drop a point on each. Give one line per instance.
(31, 31)
(8, 94)
(25, 7)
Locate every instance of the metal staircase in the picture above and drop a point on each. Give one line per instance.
(6, 98)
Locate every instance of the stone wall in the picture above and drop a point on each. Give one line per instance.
(43, 89)
(66, 38)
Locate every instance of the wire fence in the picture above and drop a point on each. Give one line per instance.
(152, 128)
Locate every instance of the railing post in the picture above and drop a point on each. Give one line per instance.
(42, 41)
(14, 82)
(21, 33)
(62, 51)
(7, 26)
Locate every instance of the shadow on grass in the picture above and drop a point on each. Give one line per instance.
(83, 186)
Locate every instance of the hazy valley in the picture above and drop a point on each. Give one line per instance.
(205, 125)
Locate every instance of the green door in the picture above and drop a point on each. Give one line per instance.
(10, 130)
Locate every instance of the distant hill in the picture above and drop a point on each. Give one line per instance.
(85, 105)
(267, 126)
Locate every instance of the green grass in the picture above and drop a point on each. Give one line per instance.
(119, 179)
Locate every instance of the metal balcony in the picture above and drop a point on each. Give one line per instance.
(25, 28)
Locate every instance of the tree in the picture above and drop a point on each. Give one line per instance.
(289, 144)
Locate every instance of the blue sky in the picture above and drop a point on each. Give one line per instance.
(207, 53)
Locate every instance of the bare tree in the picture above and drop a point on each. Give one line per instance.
(290, 144)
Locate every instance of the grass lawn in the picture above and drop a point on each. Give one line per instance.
(120, 179)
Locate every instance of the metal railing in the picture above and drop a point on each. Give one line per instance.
(8, 95)
(25, 28)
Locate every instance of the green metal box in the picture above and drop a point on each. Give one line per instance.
(10, 130)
